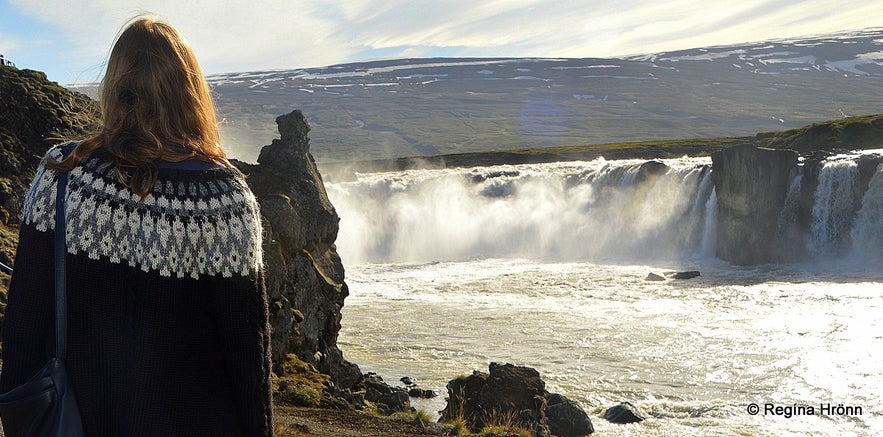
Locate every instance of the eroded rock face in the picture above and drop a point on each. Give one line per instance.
(751, 185)
(304, 274)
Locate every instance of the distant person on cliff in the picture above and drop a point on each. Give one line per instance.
(167, 311)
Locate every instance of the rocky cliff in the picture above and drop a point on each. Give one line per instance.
(751, 186)
(752, 183)
(34, 114)
(305, 276)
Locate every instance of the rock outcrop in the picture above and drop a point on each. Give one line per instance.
(751, 185)
(34, 114)
(516, 396)
(305, 276)
(862, 132)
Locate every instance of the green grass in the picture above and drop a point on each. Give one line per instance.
(298, 394)
(456, 427)
(417, 417)
(504, 431)
(849, 133)
(300, 385)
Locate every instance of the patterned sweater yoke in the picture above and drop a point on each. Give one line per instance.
(185, 227)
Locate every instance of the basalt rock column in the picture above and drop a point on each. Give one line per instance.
(751, 185)
(305, 276)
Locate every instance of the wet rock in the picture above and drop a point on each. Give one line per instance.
(515, 393)
(407, 381)
(650, 170)
(566, 418)
(625, 412)
(751, 185)
(386, 398)
(690, 274)
(421, 393)
(654, 277)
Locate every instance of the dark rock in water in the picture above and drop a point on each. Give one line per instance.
(481, 177)
(420, 393)
(566, 418)
(625, 412)
(514, 392)
(649, 170)
(690, 274)
(751, 185)
(654, 277)
(388, 399)
(407, 381)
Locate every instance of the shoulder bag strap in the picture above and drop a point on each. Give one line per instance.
(60, 283)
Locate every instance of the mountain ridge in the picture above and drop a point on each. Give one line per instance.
(395, 108)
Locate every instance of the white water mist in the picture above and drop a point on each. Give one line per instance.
(596, 210)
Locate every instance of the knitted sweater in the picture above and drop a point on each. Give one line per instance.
(167, 312)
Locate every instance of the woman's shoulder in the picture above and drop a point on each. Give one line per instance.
(196, 220)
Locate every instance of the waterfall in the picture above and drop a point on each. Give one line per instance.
(699, 219)
(834, 205)
(709, 232)
(787, 229)
(867, 233)
(617, 211)
(598, 210)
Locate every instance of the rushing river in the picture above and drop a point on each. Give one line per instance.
(544, 266)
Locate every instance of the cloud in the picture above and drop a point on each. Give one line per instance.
(265, 34)
(229, 35)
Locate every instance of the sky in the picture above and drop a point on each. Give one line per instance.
(70, 39)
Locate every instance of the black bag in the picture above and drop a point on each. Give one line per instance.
(45, 404)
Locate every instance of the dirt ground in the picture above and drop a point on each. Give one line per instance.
(308, 422)
(298, 421)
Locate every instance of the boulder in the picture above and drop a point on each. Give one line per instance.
(654, 277)
(513, 395)
(751, 185)
(650, 170)
(625, 412)
(386, 398)
(421, 393)
(690, 274)
(566, 418)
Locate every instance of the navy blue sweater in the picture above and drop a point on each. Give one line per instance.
(167, 312)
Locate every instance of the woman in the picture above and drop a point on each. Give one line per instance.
(167, 312)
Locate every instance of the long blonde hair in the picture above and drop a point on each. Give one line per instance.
(155, 104)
